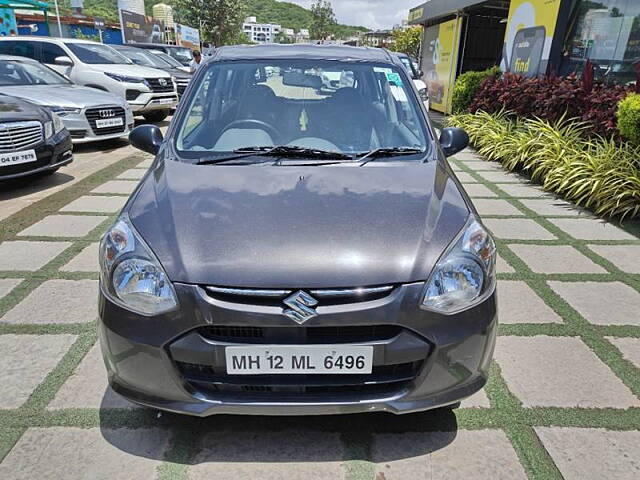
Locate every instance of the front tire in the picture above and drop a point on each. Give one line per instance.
(156, 116)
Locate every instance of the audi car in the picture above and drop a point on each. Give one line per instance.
(295, 250)
(33, 140)
(89, 114)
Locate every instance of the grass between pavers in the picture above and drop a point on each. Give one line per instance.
(356, 432)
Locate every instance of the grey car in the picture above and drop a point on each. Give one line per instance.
(294, 251)
(89, 114)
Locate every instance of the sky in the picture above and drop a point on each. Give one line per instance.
(375, 14)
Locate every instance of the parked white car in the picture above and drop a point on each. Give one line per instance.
(148, 91)
(90, 115)
(416, 76)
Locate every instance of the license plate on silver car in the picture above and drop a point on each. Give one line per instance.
(15, 158)
(299, 359)
(109, 122)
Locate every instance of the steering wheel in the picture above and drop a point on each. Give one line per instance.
(252, 123)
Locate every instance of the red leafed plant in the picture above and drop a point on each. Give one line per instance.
(551, 98)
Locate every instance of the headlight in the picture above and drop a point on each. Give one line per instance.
(130, 273)
(466, 273)
(424, 94)
(64, 111)
(124, 78)
(54, 126)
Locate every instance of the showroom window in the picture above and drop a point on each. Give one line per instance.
(607, 32)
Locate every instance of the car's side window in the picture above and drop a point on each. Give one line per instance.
(19, 48)
(51, 51)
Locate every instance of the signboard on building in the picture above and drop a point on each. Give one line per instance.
(140, 29)
(187, 36)
(530, 29)
(440, 60)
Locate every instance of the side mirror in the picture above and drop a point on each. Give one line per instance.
(63, 61)
(147, 138)
(453, 140)
(419, 74)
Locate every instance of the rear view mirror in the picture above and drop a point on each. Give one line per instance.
(419, 74)
(300, 79)
(147, 138)
(453, 140)
(63, 61)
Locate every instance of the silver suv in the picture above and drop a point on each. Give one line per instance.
(149, 92)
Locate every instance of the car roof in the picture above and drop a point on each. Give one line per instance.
(47, 39)
(155, 45)
(304, 51)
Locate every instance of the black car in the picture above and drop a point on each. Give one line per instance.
(147, 58)
(181, 54)
(296, 251)
(33, 140)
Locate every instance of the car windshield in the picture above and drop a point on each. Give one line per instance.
(183, 55)
(14, 72)
(167, 58)
(343, 107)
(95, 53)
(146, 59)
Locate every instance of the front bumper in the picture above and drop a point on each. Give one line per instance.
(147, 102)
(150, 360)
(84, 130)
(52, 154)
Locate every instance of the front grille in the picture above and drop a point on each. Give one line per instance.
(182, 85)
(17, 136)
(300, 335)
(155, 84)
(325, 297)
(95, 114)
(384, 380)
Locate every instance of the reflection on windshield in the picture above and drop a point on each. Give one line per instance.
(96, 54)
(25, 73)
(330, 106)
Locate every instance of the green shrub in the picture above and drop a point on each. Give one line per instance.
(629, 118)
(600, 174)
(466, 87)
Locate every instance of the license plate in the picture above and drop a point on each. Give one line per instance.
(166, 101)
(299, 359)
(109, 122)
(15, 158)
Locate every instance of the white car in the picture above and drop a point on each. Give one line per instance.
(416, 76)
(148, 91)
(90, 115)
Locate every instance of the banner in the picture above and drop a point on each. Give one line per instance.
(140, 29)
(440, 61)
(187, 36)
(530, 30)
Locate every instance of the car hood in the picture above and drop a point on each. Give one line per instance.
(300, 227)
(64, 95)
(131, 70)
(16, 109)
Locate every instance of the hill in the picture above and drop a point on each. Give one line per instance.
(286, 14)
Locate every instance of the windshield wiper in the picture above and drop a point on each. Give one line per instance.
(387, 152)
(283, 151)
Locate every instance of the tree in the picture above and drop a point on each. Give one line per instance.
(324, 20)
(408, 41)
(220, 21)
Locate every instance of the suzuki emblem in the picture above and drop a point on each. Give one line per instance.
(301, 307)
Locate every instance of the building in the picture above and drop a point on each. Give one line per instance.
(379, 39)
(303, 36)
(135, 6)
(260, 32)
(164, 13)
(528, 37)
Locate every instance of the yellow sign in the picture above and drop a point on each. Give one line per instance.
(528, 37)
(440, 62)
(416, 14)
